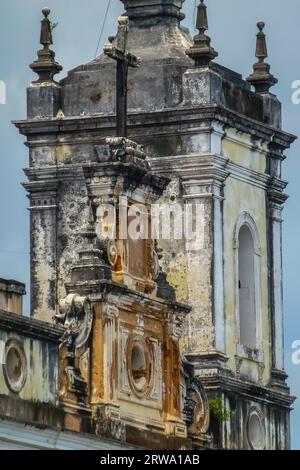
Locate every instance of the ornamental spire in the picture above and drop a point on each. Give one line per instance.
(261, 78)
(46, 66)
(46, 30)
(92, 263)
(201, 51)
(89, 231)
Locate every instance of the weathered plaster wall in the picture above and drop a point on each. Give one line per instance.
(72, 212)
(239, 197)
(189, 272)
(276, 422)
(42, 369)
(243, 150)
(156, 84)
(120, 321)
(11, 296)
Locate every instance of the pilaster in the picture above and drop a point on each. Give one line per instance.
(43, 262)
(275, 200)
(205, 262)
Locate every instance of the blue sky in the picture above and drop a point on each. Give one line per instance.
(232, 28)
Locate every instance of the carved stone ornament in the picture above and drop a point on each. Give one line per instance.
(107, 423)
(140, 365)
(14, 365)
(155, 265)
(238, 363)
(76, 314)
(175, 327)
(75, 382)
(119, 149)
(196, 408)
(112, 253)
(256, 432)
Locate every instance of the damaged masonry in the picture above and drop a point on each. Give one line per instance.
(135, 340)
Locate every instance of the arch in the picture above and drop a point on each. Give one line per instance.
(246, 219)
(248, 297)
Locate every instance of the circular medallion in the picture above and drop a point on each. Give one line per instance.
(15, 365)
(140, 366)
(197, 408)
(256, 430)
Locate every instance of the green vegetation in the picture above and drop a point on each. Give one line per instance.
(218, 410)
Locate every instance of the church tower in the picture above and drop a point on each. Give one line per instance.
(214, 142)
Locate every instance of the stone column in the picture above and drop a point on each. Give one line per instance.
(205, 261)
(43, 269)
(275, 233)
(276, 199)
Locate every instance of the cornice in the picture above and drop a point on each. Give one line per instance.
(30, 327)
(247, 390)
(102, 288)
(160, 122)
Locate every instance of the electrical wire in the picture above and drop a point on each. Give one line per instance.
(102, 27)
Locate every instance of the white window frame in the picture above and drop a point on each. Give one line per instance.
(256, 354)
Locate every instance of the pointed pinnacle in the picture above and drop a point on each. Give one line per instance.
(261, 78)
(201, 51)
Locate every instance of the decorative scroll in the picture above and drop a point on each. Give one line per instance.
(76, 315)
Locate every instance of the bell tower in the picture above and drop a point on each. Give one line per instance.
(228, 163)
(235, 338)
(156, 332)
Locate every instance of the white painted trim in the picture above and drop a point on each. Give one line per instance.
(195, 163)
(247, 175)
(246, 219)
(278, 293)
(20, 436)
(218, 288)
(248, 145)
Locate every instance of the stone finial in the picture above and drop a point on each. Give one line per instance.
(46, 66)
(261, 78)
(261, 44)
(201, 51)
(202, 21)
(92, 263)
(89, 231)
(46, 30)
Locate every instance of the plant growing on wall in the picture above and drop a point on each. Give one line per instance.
(218, 410)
